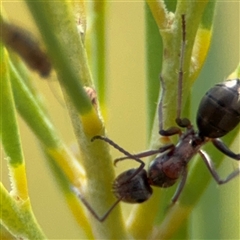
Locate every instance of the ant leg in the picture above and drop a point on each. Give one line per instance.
(91, 210)
(172, 130)
(224, 149)
(146, 153)
(129, 155)
(213, 172)
(180, 122)
(181, 61)
(183, 122)
(160, 105)
(180, 186)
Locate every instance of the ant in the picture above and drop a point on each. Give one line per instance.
(218, 114)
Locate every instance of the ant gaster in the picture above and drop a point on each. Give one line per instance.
(218, 114)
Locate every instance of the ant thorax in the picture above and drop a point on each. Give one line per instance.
(168, 167)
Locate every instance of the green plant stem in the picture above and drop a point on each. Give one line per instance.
(154, 49)
(96, 44)
(171, 31)
(5, 234)
(172, 39)
(73, 68)
(39, 122)
(18, 218)
(160, 13)
(71, 199)
(95, 156)
(43, 128)
(10, 134)
(16, 213)
(92, 156)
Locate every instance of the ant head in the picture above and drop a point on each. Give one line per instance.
(132, 190)
(158, 172)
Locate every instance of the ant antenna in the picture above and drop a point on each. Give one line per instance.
(89, 207)
(116, 146)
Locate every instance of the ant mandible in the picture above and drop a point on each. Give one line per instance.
(218, 114)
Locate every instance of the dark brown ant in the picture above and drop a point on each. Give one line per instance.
(218, 114)
(26, 46)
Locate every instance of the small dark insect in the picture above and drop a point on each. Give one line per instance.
(25, 45)
(218, 114)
